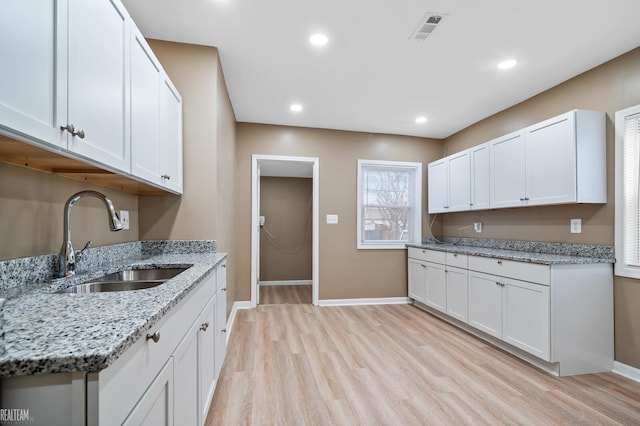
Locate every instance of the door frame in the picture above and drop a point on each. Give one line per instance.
(255, 223)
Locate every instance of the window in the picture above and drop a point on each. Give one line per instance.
(627, 206)
(389, 204)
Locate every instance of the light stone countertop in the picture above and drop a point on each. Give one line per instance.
(48, 332)
(516, 255)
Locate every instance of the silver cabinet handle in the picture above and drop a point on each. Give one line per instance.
(500, 284)
(155, 337)
(526, 198)
(79, 133)
(69, 128)
(224, 330)
(204, 326)
(424, 266)
(224, 289)
(224, 265)
(167, 177)
(521, 198)
(499, 262)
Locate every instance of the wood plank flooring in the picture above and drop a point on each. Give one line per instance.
(395, 365)
(285, 294)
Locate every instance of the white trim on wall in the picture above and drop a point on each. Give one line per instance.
(255, 214)
(626, 371)
(245, 304)
(366, 301)
(286, 282)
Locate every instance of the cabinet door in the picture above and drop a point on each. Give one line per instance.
(221, 329)
(480, 183)
(155, 408)
(485, 303)
(171, 135)
(98, 86)
(550, 153)
(437, 182)
(145, 110)
(526, 320)
(185, 386)
(206, 356)
(457, 293)
(33, 72)
(417, 274)
(436, 286)
(507, 170)
(459, 181)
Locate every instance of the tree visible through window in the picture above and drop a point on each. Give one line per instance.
(388, 204)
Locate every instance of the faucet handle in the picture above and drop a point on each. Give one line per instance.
(79, 253)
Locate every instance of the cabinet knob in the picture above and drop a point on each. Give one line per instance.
(224, 289)
(155, 337)
(424, 266)
(69, 128)
(526, 198)
(224, 265)
(446, 207)
(204, 326)
(167, 177)
(499, 262)
(455, 254)
(79, 133)
(521, 198)
(224, 330)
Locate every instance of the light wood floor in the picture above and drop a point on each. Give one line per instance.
(285, 294)
(395, 365)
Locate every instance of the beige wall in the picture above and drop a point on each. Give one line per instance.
(205, 209)
(31, 207)
(609, 87)
(344, 272)
(286, 203)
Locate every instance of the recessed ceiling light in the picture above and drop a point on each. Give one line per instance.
(509, 63)
(318, 39)
(421, 120)
(295, 107)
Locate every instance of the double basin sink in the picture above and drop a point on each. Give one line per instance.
(128, 280)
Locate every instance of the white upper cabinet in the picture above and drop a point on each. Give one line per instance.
(558, 161)
(98, 85)
(145, 110)
(480, 182)
(507, 170)
(449, 184)
(33, 71)
(171, 136)
(566, 159)
(458, 177)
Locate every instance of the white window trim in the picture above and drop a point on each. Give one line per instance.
(416, 236)
(622, 268)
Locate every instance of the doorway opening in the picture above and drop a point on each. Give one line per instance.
(284, 230)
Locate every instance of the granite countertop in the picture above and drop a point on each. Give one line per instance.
(575, 255)
(49, 332)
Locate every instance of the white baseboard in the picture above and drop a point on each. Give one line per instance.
(627, 371)
(232, 316)
(365, 301)
(287, 282)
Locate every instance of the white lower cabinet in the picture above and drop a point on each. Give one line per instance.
(155, 408)
(185, 386)
(206, 358)
(562, 314)
(436, 286)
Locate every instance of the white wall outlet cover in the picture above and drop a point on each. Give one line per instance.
(332, 219)
(477, 226)
(576, 226)
(124, 219)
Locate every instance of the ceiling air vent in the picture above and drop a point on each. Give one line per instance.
(427, 25)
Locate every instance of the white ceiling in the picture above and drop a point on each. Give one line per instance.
(370, 77)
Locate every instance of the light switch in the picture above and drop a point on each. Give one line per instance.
(576, 226)
(332, 219)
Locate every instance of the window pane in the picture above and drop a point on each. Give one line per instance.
(386, 224)
(386, 187)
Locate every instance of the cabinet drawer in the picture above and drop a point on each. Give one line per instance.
(427, 255)
(531, 272)
(458, 260)
(122, 383)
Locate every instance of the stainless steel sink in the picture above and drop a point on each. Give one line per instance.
(129, 280)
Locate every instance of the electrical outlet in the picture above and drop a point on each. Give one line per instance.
(477, 226)
(124, 219)
(332, 219)
(576, 226)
